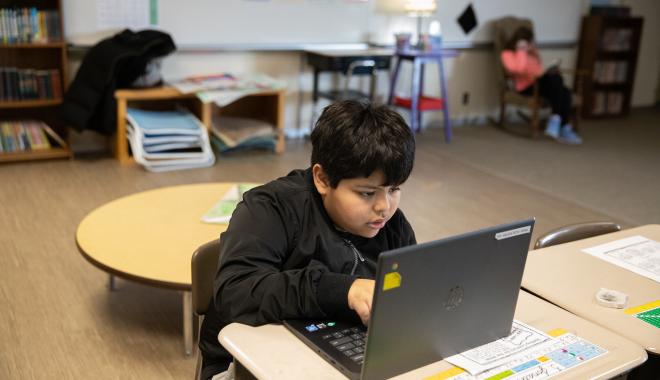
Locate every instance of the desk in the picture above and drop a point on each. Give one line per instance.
(417, 101)
(266, 105)
(272, 352)
(149, 237)
(340, 61)
(570, 278)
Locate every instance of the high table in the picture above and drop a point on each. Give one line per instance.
(417, 101)
(272, 352)
(149, 237)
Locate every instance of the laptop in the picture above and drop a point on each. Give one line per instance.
(431, 301)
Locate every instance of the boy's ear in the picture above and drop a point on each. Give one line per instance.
(321, 180)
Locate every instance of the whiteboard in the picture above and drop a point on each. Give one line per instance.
(297, 22)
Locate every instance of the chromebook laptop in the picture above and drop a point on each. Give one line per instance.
(431, 301)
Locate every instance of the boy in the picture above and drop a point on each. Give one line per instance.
(306, 245)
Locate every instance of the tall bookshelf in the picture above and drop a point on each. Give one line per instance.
(609, 47)
(33, 74)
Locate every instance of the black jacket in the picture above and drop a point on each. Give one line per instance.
(281, 257)
(113, 63)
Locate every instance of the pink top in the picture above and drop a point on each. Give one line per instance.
(522, 66)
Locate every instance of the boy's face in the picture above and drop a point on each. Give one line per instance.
(360, 206)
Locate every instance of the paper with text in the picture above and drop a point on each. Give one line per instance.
(542, 361)
(482, 358)
(636, 253)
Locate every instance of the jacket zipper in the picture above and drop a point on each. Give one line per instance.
(356, 255)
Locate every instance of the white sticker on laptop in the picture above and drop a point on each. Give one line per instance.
(512, 233)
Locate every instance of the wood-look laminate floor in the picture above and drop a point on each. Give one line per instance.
(58, 318)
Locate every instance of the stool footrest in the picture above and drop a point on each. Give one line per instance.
(425, 103)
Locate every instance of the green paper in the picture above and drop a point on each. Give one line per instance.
(651, 317)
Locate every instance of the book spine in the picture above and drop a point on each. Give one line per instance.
(2, 84)
(20, 143)
(42, 136)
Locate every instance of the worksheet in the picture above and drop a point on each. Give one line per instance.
(541, 361)
(636, 253)
(482, 358)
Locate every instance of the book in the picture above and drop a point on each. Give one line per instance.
(168, 140)
(221, 211)
(164, 122)
(237, 130)
(205, 82)
(53, 135)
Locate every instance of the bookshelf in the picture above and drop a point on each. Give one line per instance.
(609, 47)
(32, 77)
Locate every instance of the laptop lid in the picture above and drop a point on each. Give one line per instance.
(431, 301)
(440, 298)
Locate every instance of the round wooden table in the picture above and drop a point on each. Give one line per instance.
(149, 237)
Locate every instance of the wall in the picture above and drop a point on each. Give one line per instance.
(472, 72)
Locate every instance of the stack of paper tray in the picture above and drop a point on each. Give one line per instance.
(231, 134)
(168, 140)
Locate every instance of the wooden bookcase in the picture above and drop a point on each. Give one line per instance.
(609, 47)
(41, 58)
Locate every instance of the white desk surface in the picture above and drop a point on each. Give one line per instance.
(570, 278)
(272, 352)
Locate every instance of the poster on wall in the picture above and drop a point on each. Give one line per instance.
(133, 14)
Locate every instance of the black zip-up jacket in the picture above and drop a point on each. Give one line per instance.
(282, 257)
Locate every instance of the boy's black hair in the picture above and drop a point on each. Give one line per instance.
(353, 139)
(521, 33)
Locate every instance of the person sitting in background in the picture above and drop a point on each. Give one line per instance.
(522, 61)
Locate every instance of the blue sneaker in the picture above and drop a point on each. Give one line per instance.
(553, 126)
(568, 136)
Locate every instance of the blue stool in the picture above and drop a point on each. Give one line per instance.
(418, 103)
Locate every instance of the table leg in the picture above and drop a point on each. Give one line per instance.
(299, 116)
(397, 66)
(315, 97)
(112, 284)
(445, 99)
(372, 85)
(414, 98)
(242, 373)
(187, 323)
(421, 95)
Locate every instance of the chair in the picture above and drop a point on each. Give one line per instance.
(573, 232)
(204, 267)
(358, 67)
(504, 29)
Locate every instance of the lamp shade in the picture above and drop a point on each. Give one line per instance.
(410, 7)
(420, 7)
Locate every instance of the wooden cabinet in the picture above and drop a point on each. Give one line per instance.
(32, 79)
(609, 47)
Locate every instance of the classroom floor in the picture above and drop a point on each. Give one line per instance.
(60, 321)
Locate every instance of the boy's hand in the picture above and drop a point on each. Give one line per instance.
(360, 296)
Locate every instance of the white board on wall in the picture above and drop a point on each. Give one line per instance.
(297, 22)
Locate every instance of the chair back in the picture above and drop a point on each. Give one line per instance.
(204, 267)
(573, 232)
(503, 31)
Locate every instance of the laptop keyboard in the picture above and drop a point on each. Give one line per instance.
(349, 342)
